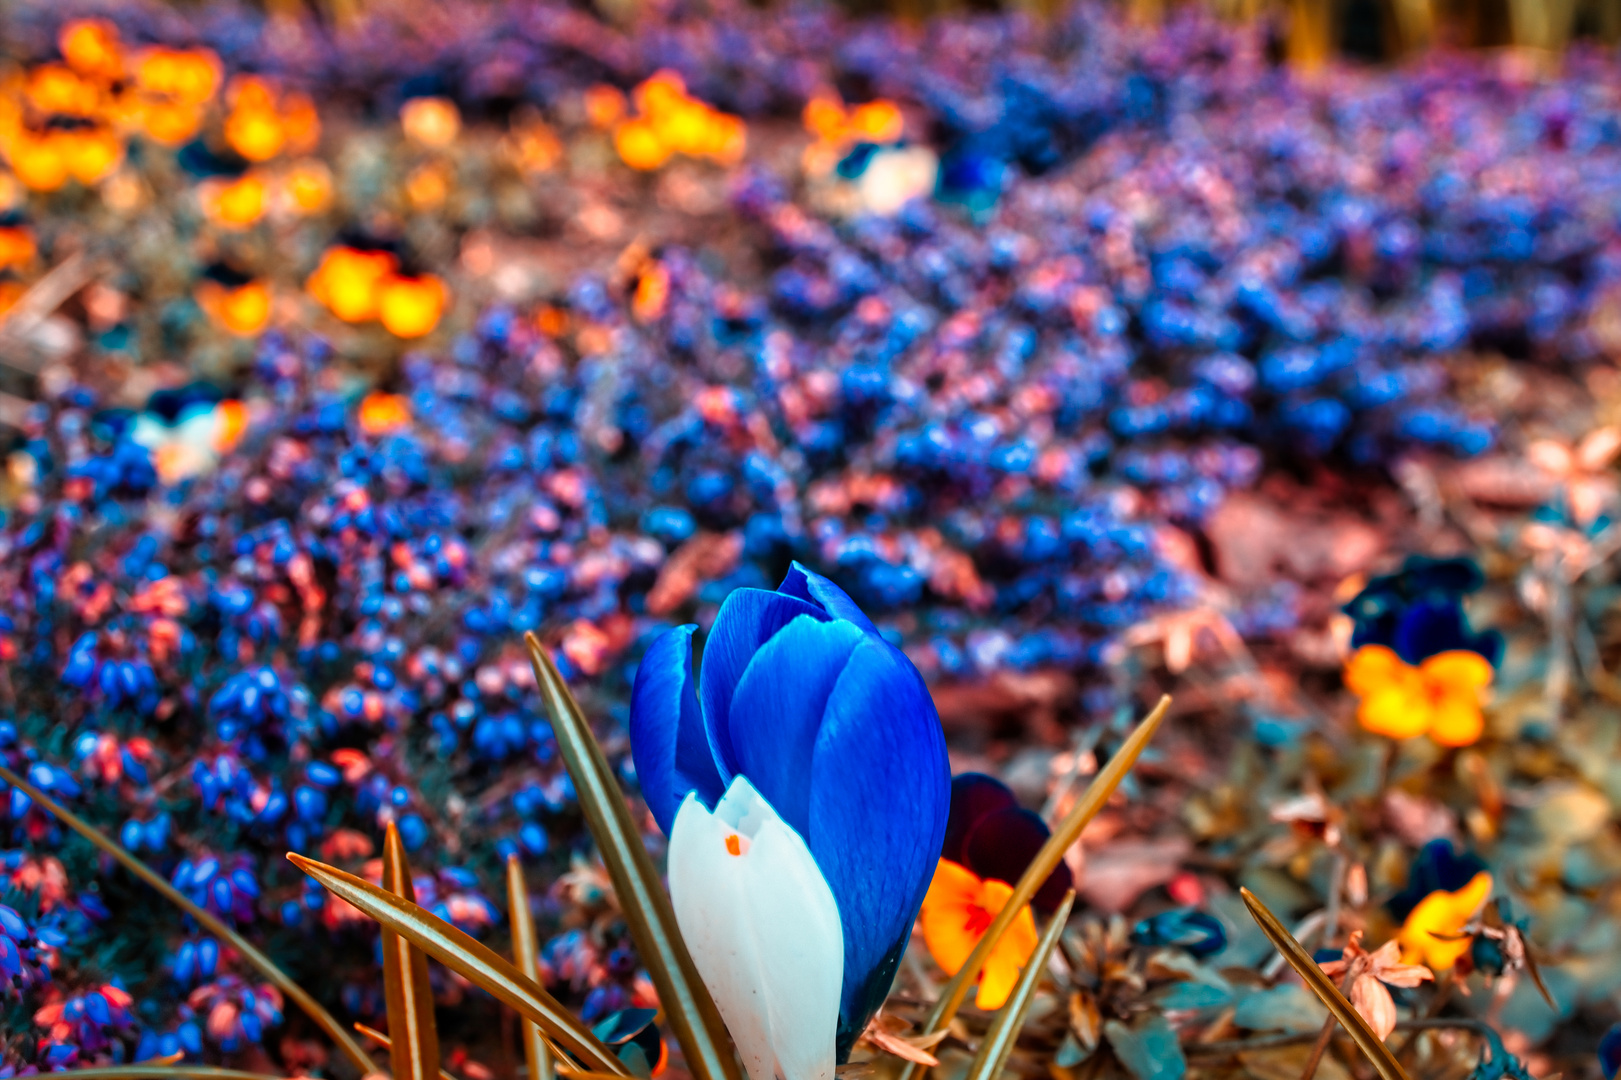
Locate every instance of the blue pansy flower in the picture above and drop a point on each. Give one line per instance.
(1418, 611)
(1438, 867)
(801, 776)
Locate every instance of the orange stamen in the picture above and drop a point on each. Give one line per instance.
(734, 845)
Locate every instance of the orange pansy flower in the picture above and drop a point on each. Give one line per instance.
(956, 913)
(1440, 697)
(168, 122)
(1445, 914)
(255, 133)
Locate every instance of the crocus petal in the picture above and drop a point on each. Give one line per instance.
(880, 790)
(763, 929)
(973, 795)
(748, 619)
(815, 589)
(1370, 998)
(1003, 845)
(777, 710)
(667, 738)
(1443, 913)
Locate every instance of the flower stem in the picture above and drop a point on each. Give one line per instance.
(1230, 1047)
(1326, 1035)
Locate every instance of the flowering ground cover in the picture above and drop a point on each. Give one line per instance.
(1082, 361)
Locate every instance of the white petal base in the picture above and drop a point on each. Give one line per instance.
(763, 928)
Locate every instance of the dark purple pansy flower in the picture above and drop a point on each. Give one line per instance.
(1609, 1052)
(992, 835)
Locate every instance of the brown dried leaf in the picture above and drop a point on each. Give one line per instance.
(1085, 1020)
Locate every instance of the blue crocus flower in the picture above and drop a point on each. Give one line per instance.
(810, 745)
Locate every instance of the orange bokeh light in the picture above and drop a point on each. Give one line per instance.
(169, 123)
(190, 76)
(308, 186)
(234, 204)
(90, 154)
(256, 134)
(410, 307)
(243, 310)
(16, 246)
(382, 413)
(38, 162)
(431, 121)
(91, 47)
(57, 88)
(347, 280)
(671, 122)
(604, 105)
(639, 145)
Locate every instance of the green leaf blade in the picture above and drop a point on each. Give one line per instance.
(688, 1008)
(1366, 1038)
(1004, 1031)
(413, 1033)
(525, 948)
(470, 957)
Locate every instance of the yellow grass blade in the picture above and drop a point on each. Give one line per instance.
(582, 1074)
(383, 1040)
(525, 948)
(1051, 853)
(1372, 1045)
(164, 1072)
(291, 990)
(462, 953)
(688, 1008)
(414, 1051)
(1004, 1031)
